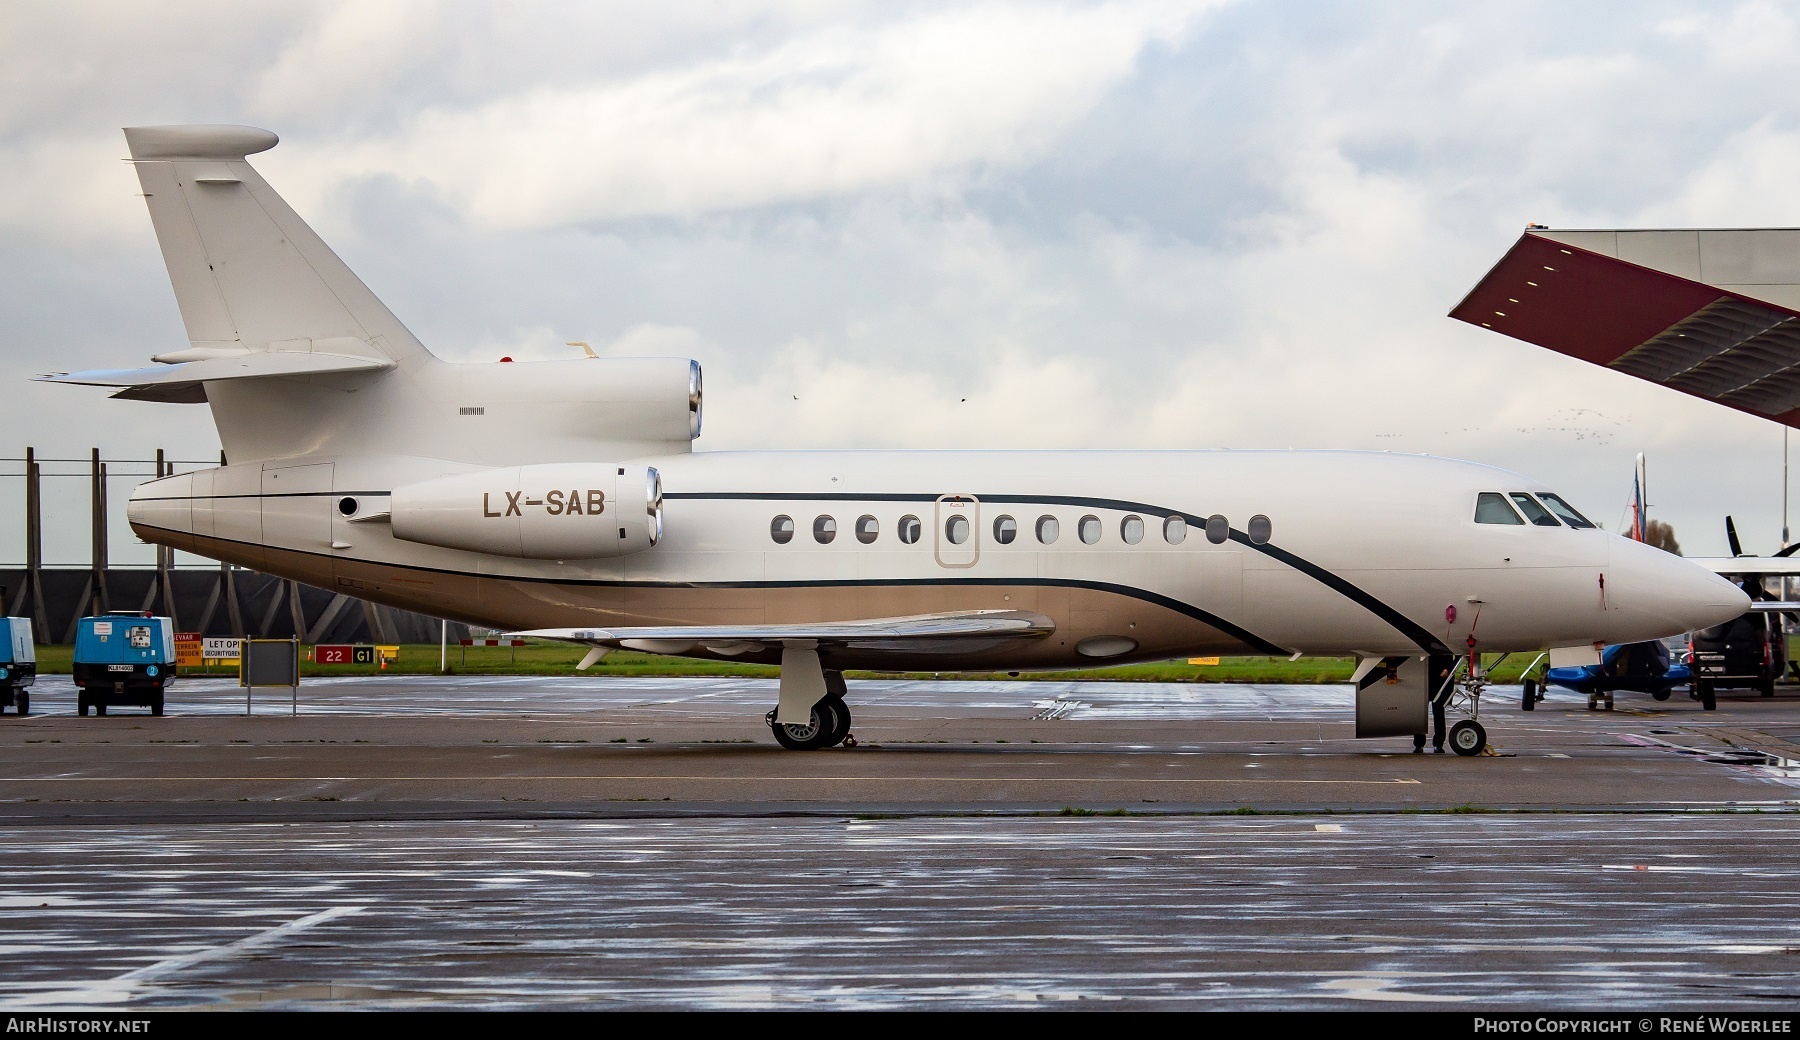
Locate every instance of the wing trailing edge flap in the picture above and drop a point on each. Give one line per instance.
(183, 383)
(971, 630)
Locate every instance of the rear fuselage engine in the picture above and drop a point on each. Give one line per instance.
(558, 511)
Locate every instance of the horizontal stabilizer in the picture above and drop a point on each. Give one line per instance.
(924, 632)
(183, 382)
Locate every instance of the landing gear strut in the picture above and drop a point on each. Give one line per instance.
(1462, 692)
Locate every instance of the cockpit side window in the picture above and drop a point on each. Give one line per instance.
(1491, 508)
(1564, 510)
(1537, 514)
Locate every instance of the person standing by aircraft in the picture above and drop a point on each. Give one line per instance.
(1441, 669)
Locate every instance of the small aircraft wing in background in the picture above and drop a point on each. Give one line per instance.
(1749, 571)
(967, 632)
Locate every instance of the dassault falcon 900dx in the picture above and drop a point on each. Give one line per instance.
(564, 499)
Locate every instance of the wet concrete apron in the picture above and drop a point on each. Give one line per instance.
(552, 843)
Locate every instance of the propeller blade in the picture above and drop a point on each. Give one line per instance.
(1737, 548)
(1790, 550)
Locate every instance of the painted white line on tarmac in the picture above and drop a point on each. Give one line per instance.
(123, 987)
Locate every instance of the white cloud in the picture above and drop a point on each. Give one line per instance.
(836, 110)
(984, 224)
(1748, 182)
(1756, 34)
(352, 52)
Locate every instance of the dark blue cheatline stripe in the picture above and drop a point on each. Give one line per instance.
(1243, 635)
(1400, 622)
(1404, 625)
(272, 494)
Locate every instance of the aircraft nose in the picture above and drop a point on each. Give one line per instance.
(1653, 589)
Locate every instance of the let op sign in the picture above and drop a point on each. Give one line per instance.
(192, 650)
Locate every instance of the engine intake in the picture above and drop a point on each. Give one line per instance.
(560, 511)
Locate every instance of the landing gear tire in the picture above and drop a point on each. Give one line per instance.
(1659, 695)
(1609, 701)
(1708, 702)
(816, 734)
(841, 713)
(1467, 738)
(1528, 700)
(1593, 701)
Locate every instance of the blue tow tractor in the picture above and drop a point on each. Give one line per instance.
(18, 665)
(123, 658)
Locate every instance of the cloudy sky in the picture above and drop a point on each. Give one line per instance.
(967, 224)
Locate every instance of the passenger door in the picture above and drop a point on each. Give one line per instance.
(957, 532)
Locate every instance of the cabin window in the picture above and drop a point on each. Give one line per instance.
(782, 529)
(1217, 529)
(1048, 529)
(1535, 513)
(909, 529)
(867, 529)
(1175, 530)
(1132, 529)
(1564, 510)
(1491, 508)
(1259, 529)
(1005, 530)
(824, 529)
(347, 506)
(1088, 529)
(956, 530)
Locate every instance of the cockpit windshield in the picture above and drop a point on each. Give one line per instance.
(1491, 508)
(1533, 512)
(1564, 510)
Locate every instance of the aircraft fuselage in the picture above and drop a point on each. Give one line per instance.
(1325, 552)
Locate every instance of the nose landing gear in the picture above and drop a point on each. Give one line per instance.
(1468, 737)
(1462, 692)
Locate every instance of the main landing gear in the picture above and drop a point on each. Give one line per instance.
(828, 719)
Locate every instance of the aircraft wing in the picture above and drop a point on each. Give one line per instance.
(1713, 314)
(182, 383)
(1746, 566)
(938, 633)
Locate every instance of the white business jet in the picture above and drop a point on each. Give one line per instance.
(564, 499)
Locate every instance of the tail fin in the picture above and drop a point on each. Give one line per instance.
(248, 273)
(1640, 520)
